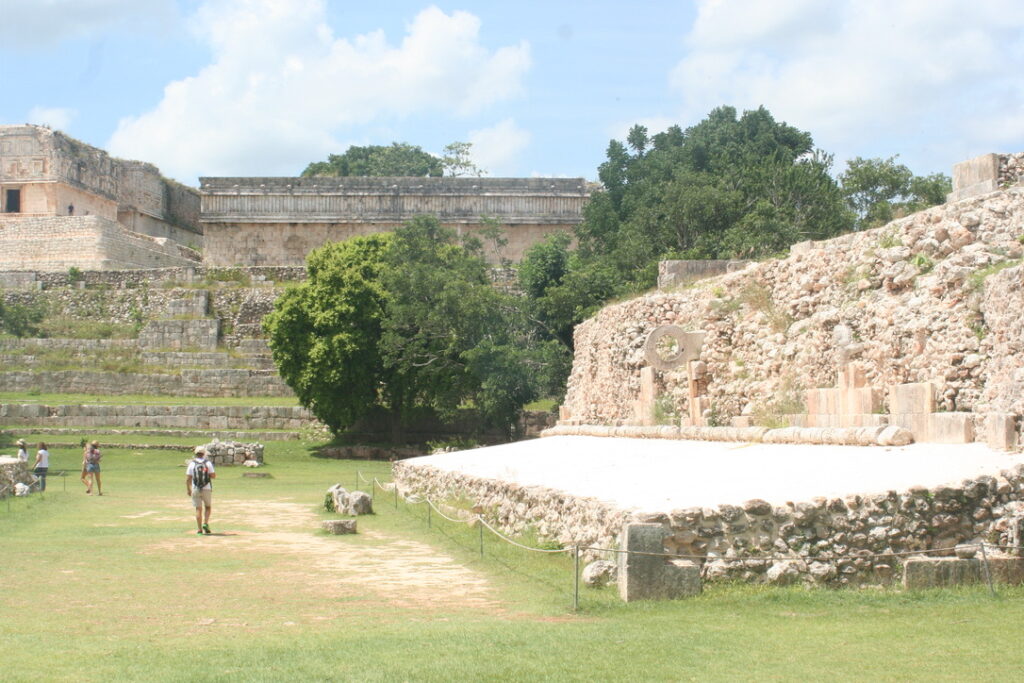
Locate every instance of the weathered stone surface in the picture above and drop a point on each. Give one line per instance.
(600, 573)
(13, 472)
(347, 502)
(340, 526)
(644, 573)
(937, 572)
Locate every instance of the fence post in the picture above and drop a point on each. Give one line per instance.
(428, 513)
(576, 581)
(988, 571)
(396, 496)
(480, 526)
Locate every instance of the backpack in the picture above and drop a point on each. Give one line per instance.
(200, 474)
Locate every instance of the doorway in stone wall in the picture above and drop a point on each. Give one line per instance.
(12, 201)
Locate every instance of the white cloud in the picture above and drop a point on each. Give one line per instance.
(496, 149)
(281, 88)
(41, 23)
(857, 72)
(54, 117)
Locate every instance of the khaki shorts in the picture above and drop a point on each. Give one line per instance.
(202, 497)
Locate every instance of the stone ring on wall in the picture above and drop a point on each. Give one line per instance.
(669, 346)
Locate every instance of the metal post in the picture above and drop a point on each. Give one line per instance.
(480, 526)
(576, 581)
(373, 490)
(428, 513)
(988, 572)
(396, 496)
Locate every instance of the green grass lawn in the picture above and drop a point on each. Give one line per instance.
(90, 399)
(120, 588)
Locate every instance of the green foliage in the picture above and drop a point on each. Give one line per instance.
(74, 274)
(729, 187)
(396, 159)
(456, 160)
(21, 320)
(665, 411)
(402, 322)
(922, 262)
(976, 281)
(880, 190)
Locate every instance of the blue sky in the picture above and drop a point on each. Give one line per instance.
(262, 87)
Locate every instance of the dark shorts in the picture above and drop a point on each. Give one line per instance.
(41, 471)
(92, 467)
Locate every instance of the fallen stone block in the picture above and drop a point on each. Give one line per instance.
(340, 526)
(646, 574)
(600, 573)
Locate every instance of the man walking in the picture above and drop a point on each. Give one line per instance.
(199, 484)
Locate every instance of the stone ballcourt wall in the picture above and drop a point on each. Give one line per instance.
(919, 300)
(202, 383)
(157, 416)
(84, 242)
(839, 541)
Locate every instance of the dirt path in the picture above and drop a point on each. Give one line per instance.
(400, 571)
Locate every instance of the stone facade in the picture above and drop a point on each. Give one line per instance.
(920, 300)
(984, 174)
(83, 242)
(45, 174)
(259, 221)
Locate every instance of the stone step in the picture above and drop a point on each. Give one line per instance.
(182, 433)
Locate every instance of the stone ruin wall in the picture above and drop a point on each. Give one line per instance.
(918, 300)
(256, 221)
(855, 540)
(84, 242)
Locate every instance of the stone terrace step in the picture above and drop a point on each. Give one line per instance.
(247, 436)
(156, 416)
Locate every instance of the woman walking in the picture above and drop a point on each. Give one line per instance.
(92, 467)
(42, 465)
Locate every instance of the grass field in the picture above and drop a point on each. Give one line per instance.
(121, 588)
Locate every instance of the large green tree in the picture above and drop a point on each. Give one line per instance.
(880, 190)
(404, 322)
(729, 187)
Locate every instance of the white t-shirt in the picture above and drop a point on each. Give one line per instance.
(23, 455)
(44, 458)
(191, 471)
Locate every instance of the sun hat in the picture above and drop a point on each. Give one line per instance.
(199, 449)
(21, 442)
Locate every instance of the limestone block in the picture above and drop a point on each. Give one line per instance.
(973, 177)
(340, 526)
(1001, 431)
(936, 572)
(642, 577)
(916, 423)
(894, 435)
(951, 428)
(1008, 570)
(918, 397)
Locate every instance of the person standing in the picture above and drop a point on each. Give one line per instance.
(23, 451)
(199, 485)
(42, 465)
(91, 463)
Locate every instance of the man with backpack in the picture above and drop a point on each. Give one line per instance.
(199, 484)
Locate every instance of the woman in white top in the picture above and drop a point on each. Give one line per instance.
(22, 451)
(42, 465)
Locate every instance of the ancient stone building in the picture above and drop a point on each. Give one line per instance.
(277, 221)
(64, 203)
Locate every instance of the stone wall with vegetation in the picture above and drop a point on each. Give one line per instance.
(157, 416)
(209, 383)
(834, 541)
(931, 297)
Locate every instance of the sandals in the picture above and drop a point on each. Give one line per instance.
(206, 529)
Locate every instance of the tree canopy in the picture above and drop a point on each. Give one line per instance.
(880, 190)
(396, 159)
(405, 321)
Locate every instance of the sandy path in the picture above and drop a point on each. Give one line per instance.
(401, 571)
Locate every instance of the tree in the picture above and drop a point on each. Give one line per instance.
(396, 159)
(401, 322)
(728, 187)
(324, 332)
(21, 320)
(457, 162)
(880, 190)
